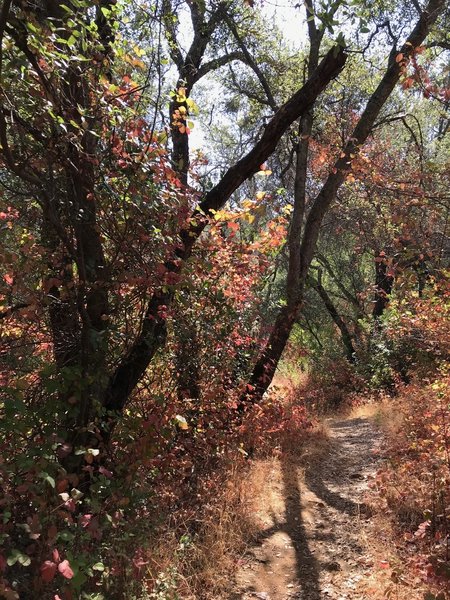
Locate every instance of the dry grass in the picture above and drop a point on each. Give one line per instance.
(201, 564)
(196, 559)
(406, 485)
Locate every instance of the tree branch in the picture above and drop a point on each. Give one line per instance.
(33, 131)
(444, 44)
(153, 332)
(362, 131)
(12, 309)
(333, 312)
(202, 36)
(4, 13)
(170, 22)
(252, 63)
(338, 281)
(216, 63)
(15, 167)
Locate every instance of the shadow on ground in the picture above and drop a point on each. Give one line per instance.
(318, 481)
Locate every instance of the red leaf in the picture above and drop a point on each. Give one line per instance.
(65, 570)
(85, 520)
(48, 571)
(56, 556)
(105, 472)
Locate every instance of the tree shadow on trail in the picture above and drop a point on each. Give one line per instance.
(318, 480)
(317, 485)
(307, 566)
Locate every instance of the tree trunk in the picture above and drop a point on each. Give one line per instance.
(153, 332)
(346, 336)
(383, 285)
(266, 366)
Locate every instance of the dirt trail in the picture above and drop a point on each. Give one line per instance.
(314, 545)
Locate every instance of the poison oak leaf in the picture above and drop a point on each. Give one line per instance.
(65, 570)
(48, 571)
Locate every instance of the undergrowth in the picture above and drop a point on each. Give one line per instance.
(414, 482)
(194, 551)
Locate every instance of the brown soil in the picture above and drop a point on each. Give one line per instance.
(314, 541)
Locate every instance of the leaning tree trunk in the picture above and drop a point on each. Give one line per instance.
(153, 331)
(346, 336)
(266, 365)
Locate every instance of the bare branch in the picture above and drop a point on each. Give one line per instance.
(216, 63)
(12, 309)
(252, 63)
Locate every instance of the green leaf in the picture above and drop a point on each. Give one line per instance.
(24, 560)
(18, 556)
(66, 536)
(48, 478)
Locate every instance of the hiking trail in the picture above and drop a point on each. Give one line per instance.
(314, 543)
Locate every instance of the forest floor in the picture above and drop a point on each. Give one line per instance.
(317, 539)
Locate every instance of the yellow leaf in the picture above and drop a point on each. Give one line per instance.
(248, 217)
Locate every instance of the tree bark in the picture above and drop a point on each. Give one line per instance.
(346, 336)
(153, 331)
(190, 70)
(383, 285)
